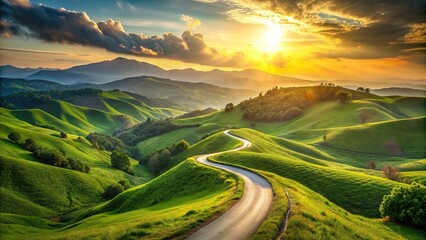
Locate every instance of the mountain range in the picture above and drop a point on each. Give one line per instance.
(120, 68)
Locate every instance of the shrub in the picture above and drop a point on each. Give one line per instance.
(179, 147)
(391, 172)
(30, 144)
(14, 136)
(63, 135)
(372, 165)
(125, 183)
(51, 157)
(229, 107)
(113, 190)
(159, 161)
(120, 160)
(344, 96)
(406, 204)
(106, 142)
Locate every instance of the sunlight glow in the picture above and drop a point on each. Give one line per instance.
(272, 38)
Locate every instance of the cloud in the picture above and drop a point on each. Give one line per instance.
(71, 27)
(125, 6)
(190, 21)
(382, 28)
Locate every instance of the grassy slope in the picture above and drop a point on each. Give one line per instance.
(373, 137)
(313, 214)
(122, 103)
(102, 173)
(366, 191)
(170, 205)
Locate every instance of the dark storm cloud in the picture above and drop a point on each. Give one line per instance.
(71, 27)
(387, 28)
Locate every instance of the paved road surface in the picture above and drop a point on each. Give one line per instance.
(245, 217)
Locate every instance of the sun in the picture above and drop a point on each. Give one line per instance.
(272, 38)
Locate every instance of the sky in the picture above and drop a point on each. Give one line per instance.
(312, 39)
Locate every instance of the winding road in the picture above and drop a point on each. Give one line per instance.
(246, 216)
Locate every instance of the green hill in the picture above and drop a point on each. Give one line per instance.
(169, 206)
(401, 137)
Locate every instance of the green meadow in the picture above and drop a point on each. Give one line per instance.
(319, 157)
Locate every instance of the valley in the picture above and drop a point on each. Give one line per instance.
(321, 161)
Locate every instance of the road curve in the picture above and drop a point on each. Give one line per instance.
(246, 216)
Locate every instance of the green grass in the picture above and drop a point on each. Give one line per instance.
(30, 188)
(404, 135)
(171, 205)
(365, 193)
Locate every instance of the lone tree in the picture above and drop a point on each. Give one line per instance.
(372, 165)
(179, 147)
(229, 107)
(343, 96)
(406, 204)
(113, 190)
(63, 135)
(14, 136)
(361, 89)
(391, 173)
(120, 160)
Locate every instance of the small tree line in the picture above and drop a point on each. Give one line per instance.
(160, 160)
(49, 156)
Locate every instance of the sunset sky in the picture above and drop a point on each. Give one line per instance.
(334, 39)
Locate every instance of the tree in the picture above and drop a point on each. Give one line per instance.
(125, 183)
(372, 165)
(343, 96)
(179, 147)
(63, 135)
(14, 136)
(229, 107)
(367, 90)
(30, 144)
(361, 89)
(113, 190)
(120, 160)
(324, 138)
(391, 172)
(406, 204)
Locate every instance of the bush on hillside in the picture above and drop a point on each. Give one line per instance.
(125, 183)
(120, 160)
(51, 156)
(106, 142)
(406, 204)
(14, 136)
(344, 96)
(159, 161)
(63, 135)
(391, 172)
(179, 147)
(372, 165)
(78, 165)
(113, 190)
(229, 107)
(30, 144)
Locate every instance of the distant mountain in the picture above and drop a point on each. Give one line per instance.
(409, 92)
(62, 76)
(118, 68)
(192, 95)
(9, 71)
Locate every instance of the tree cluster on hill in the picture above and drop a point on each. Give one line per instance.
(33, 99)
(49, 156)
(361, 89)
(120, 160)
(279, 104)
(159, 161)
(406, 204)
(149, 129)
(106, 142)
(197, 113)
